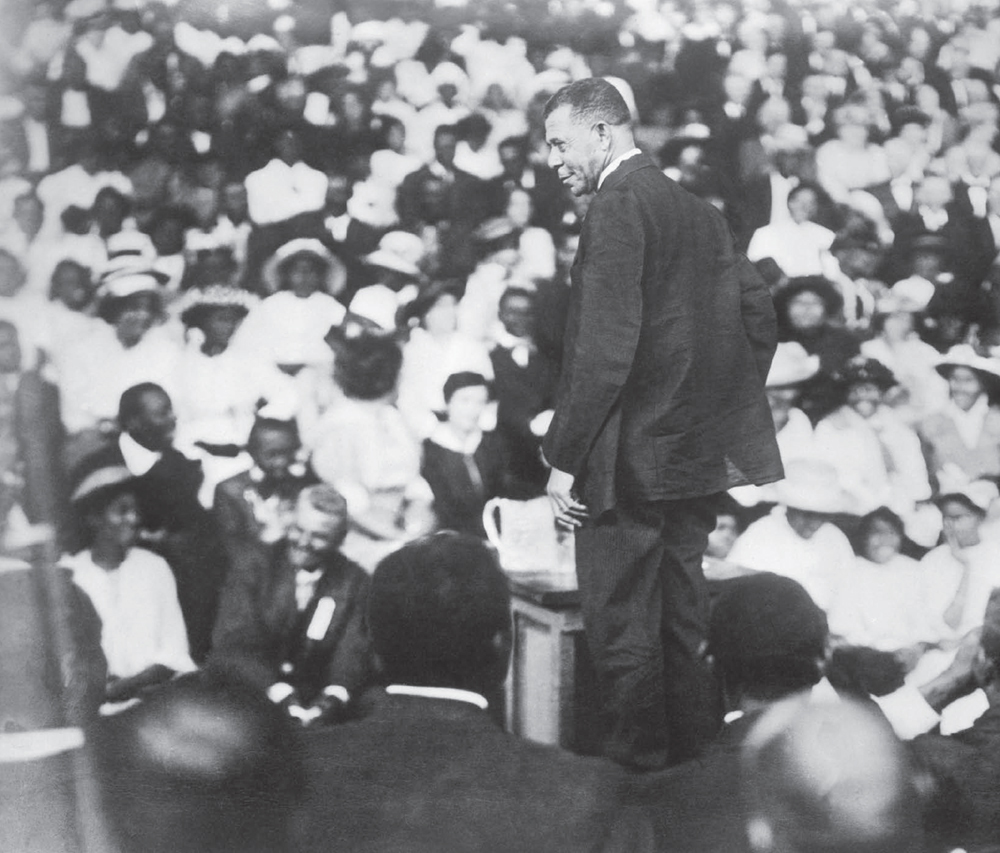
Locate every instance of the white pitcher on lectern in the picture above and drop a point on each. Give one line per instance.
(526, 537)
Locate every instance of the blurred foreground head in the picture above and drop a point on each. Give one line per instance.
(439, 614)
(829, 778)
(212, 767)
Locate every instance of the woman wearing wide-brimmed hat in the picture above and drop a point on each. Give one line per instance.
(130, 347)
(962, 440)
(798, 539)
(897, 345)
(302, 278)
(896, 474)
(219, 384)
(143, 634)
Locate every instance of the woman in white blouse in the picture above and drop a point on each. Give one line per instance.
(133, 590)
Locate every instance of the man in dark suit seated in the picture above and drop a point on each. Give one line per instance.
(428, 769)
(291, 618)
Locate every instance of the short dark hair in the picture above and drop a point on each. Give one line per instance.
(367, 366)
(593, 99)
(867, 522)
(274, 425)
(517, 293)
(130, 402)
(464, 379)
(767, 636)
(436, 606)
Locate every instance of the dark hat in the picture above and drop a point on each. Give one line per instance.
(822, 287)
(865, 370)
(765, 616)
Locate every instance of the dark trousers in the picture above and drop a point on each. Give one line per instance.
(645, 613)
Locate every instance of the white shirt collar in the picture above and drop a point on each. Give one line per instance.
(614, 164)
(444, 437)
(138, 459)
(452, 693)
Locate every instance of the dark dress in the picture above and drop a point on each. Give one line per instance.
(462, 483)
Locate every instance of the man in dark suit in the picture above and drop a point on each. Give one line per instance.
(428, 769)
(291, 618)
(660, 408)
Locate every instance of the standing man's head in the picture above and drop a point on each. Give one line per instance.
(587, 125)
(439, 614)
(147, 415)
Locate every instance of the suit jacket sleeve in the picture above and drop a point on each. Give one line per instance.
(240, 640)
(759, 320)
(608, 320)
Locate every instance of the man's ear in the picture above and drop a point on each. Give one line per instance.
(603, 131)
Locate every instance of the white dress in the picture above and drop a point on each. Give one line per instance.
(141, 621)
(819, 563)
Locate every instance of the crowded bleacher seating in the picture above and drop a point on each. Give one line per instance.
(265, 262)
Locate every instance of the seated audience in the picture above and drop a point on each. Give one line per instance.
(166, 486)
(291, 616)
(767, 640)
(434, 351)
(365, 450)
(287, 328)
(463, 464)
(880, 604)
(259, 504)
(208, 766)
(965, 766)
(962, 440)
(799, 245)
(131, 346)
(896, 343)
(895, 473)
(798, 539)
(958, 575)
(428, 769)
(525, 386)
(133, 590)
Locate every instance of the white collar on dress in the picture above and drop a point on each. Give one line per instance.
(452, 693)
(447, 439)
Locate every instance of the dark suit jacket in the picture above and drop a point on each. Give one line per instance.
(234, 512)
(669, 339)
(697, 807)
(259, 627)
(965, 768)
(422, 775)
